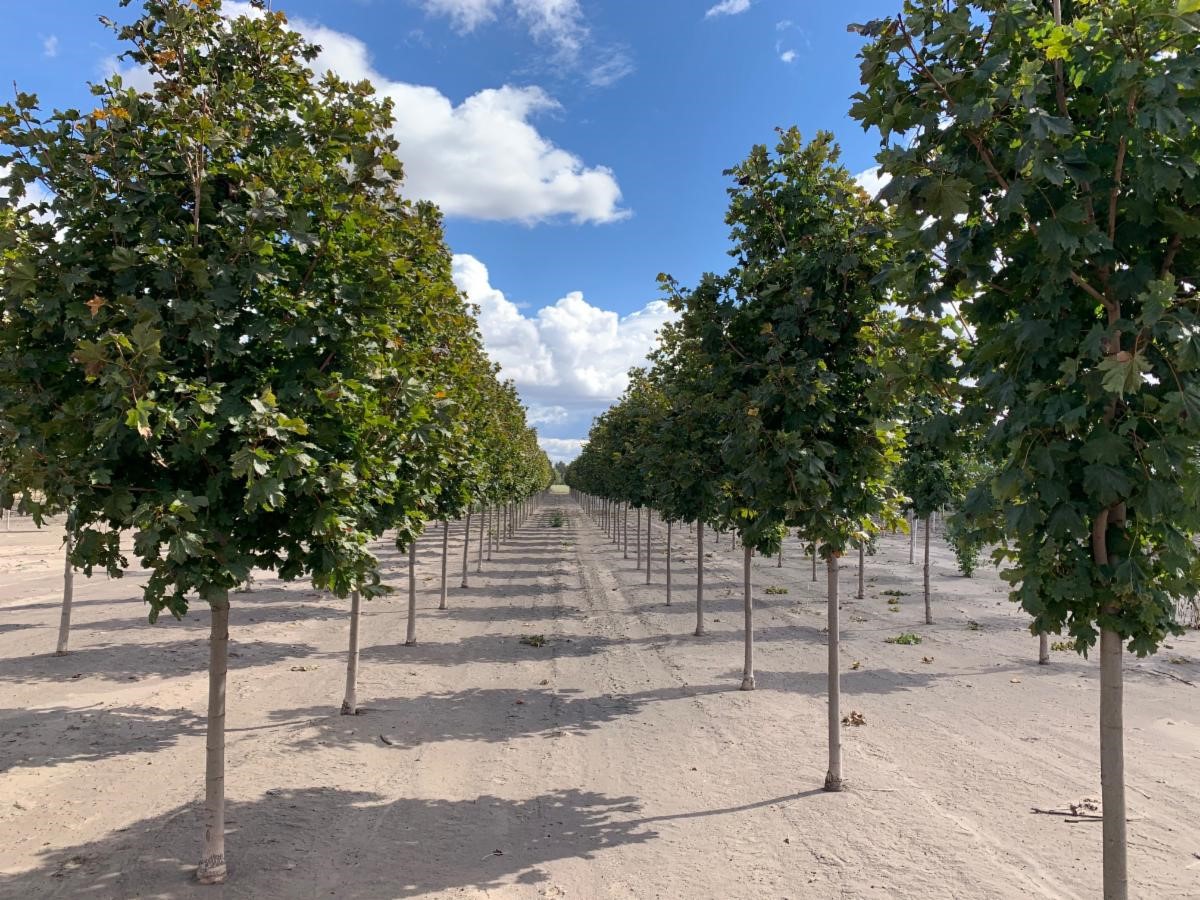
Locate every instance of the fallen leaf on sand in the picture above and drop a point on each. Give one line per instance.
(854, 718)
(303, 668)
(926, 659)
(387, 740)
(1015, 680)
(856, 665)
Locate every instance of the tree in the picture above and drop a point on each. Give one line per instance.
(800, 335)
(202, 343)
(1047, 186)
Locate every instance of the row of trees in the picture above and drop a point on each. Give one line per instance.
(227, 332)
(1026, 278)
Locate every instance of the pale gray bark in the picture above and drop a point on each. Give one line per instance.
(212, 869)
(668, 562)
(813, 547)
(912, 537)
(410, 637)
(1043, 649)
(699, 579)
(649, 528)
(748, 599)
(350, 703)
(833, 778)
(64, 619)
(862, 568)
(482, 529)
(445, 561)
(625, 532)
(1112, 766)
(466, 548)
(638, 537)
(928, 605)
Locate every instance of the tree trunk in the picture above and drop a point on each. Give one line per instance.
(638, 537)
(813, 547)
(466, 548)
(779, 562)
(410, 637)
(1112, 766)
(625, 532)
(748, 598)
(491, 530)
(482, 529)
(649, 527)
(699, 578)
(912, 537)
(64, 620)
(833, 778)
(445, 561)
(1043, 649)
(862, 565)
(350, 704)
(928, 605)
(668, 561)
(212, 868)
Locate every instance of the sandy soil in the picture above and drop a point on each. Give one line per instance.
(617, 760)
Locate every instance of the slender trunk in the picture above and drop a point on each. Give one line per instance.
(813, 547)
(699, 578)
(668, 561)
(779, 562)
(64, 621)
(625, 532)
(212, 868)
(862, 565)
(748, 597)
(649, 527)
(350, 704)
(491, 530)
(466, 548)
(638, 537)
(1112, 732)
(482, 529)
(912, 537)
(833, 778)
(928, 606)
(1043, 649)
(410, 637)
(445, 561)
(1112, 766)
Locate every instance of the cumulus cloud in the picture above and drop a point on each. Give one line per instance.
(728, 8)
(788, 56)
(559, 24)
(872, 180)
(482, 158)
(50, 46)
(547, 415)
(561, 449)
(570, 354)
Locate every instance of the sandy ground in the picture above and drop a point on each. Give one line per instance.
(616, 760)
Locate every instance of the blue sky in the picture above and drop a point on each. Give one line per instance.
(576, 146)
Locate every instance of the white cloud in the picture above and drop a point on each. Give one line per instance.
(561, 449)
(788, 56)
(467, 15)
(50, 46)
(872, 180)
(546, 415)
(728, 8)
(482, 159)
(568, 355)
(560, 24)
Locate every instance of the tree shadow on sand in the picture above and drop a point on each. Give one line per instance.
(313, 843)
(126, 662)
(477, 714)
(318, 842)
(60, 735)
